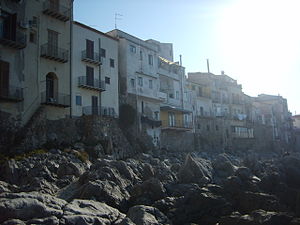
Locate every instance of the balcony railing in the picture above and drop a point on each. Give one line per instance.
(52, 52)
(57, 99)
(93, 84)
(91, 58)
(177, 125)
(11, 93)
(97, 110)
(56, 11)
(150, 121)
(17, 41)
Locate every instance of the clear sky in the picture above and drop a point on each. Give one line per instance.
(256, 42)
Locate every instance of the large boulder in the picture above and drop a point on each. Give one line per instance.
(195, 170)
(147, 215)
(223, 167)
(86, 212)
(26, 206)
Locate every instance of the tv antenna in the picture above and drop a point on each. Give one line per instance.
(117, 17)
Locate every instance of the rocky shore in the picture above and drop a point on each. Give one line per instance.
(63, 187)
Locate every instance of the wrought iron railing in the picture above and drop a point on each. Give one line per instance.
(54, 52)
(56, 10)
(58, 99)
(11, 92)
(97, 110)
(18, 39)
(177, 124)
(93, 83)
(91, 57)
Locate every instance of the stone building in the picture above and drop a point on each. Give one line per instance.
(139, 81)
(35, 58)
(95, 87)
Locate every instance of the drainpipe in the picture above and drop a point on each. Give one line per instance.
(71, 47)
(100, 57)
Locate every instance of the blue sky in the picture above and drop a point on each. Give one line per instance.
(256, 42)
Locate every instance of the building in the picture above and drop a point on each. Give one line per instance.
(296, 121)
(139, 82)
(35, 58)
(95, 86)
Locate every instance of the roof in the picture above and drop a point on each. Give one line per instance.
(94, 30)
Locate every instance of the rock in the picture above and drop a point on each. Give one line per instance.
(291, 166)
(45, 221)
(178, 190)
(86, 212)
(223, 167)
(14, 222)
(148, 171)
(26, 206)
(151, 189)
(79, 146)
(69, 168)
(104, 191)
(147, 215)
(195, 170)
(6, 187)
(243, 173)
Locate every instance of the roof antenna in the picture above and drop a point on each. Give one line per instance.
(207, 62)
(117, 17)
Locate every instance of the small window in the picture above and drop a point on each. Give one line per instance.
(193, 87)
(132, 82)
(132, 48)
(217, 127)
(150, 84)
(32, 37)
(140, 81)
(103, 52)
(78, 100)
(199, 126)
(156, 115)
(107, 80)
(150, 60)
(177, 94)
(141, 55)
(207, 127)
(112, 63)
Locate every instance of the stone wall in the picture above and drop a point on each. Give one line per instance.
(173, 140)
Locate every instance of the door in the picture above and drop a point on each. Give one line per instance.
(89, 49)
(54, 5)
(95, 105)
(50, 89)
(90, 76)
(4, 79)
(52, 43)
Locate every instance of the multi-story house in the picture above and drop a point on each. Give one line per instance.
(94, 72)
(139, 81)
(35, 57)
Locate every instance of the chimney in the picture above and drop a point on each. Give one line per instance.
(222, 72)
(180, 56)
(207, 62)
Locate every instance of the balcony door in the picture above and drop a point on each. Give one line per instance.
(53, 43)
(90, 76)
(54, 5)
(51, 88)
(89, 49)
(95, 105)
(4, 79)
(171, 119)
(8, 26)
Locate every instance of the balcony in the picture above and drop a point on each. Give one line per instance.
(150, 121)
(176, 125)
(52, 52)
(91, 58)
(58, 100)
(91, 84)
(56, 11)
(97, 110)
(11, 93)
(17, 41)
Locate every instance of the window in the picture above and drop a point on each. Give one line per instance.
(8, 25)
(112, 63)
(32, 37)
(103, 52)
(4, 78)
(89, 76)
(140, 81)
(141, 55)
(172, 121)
(107, 80)
(193, 87)
(217, 127)
(53, 39)
(142, 105)
(207, 127)
(201, 111)
(177, 94)
(132, 48)
(156, 115)
(89, 49)
(150, 60)
(132, 82)
(78, 100)
(150, 84)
